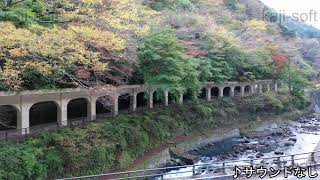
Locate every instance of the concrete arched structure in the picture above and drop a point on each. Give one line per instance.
(142, 99)
(125, 101)
(215, 91)
(227, 92)
(79, 109)
(237, 91)
(104, 106)
(9, 115)
(248, 90)
(25, 100)
(157, 98)
(188, 96)
(44, 113)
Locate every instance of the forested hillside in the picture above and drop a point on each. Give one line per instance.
(50, 44)
(177, 43)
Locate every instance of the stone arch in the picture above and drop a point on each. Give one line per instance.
(142, 99)
(248, 90)
(8, 117)
(78, 108)
(124, 102)
(215, 91)
(104, 106)
(44, 113)
(237, 91)
(188, 96)
(158, 98)
(171, 97)
(227, 92)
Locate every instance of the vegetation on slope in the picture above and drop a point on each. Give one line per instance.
(115, 143)
(177, 43)
(91, 43)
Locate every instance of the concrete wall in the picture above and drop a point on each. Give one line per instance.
(22, 102)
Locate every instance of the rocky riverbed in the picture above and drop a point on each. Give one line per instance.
(293, 137)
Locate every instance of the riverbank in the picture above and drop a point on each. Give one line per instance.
(182, 145)
(114, 144)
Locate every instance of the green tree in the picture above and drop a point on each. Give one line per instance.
(162, 62)
(170, 4)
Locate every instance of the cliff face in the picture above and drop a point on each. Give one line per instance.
(314, 97)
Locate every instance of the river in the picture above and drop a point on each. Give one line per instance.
(293, 137)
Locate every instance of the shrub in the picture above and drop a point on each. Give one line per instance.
(170, 4)
(232, 4)
(22, 162)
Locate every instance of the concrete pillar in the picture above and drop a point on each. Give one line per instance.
(133, 102)
(221, 92)
(166, 98)
(180, 100)
(268, 87)
(242, 91)
(252, 90)
(208, 94)
(92, 109)
(276, 87)
(23, 121)
(260, 88)
(232, 92)
(150, 100)
(115, 107)
(63, 113)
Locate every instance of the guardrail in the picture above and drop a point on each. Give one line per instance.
(212, 170)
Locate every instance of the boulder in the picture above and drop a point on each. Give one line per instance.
(259, 155)
(279, 153)
(288, 143)
(293, 139)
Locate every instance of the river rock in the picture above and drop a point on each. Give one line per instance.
(259, 155)
(170, 164)
(288, 143)
(279, 153)
(293, 139)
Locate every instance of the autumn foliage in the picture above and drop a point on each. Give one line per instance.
(280, 60)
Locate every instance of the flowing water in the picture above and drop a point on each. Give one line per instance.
(294, 137)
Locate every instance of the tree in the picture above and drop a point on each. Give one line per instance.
(90, 37)
(170, 4)
(161, 61)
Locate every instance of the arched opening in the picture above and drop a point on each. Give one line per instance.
(203, 93)
(142, 100)
(104, 106)
(124, 102)
(247, 91)
(227, 92)
(237, 91)
(43, 113)
(188, 96)
(158, 98)
(171, 98)
(215, 92)
(78, 109)
(8, 117)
